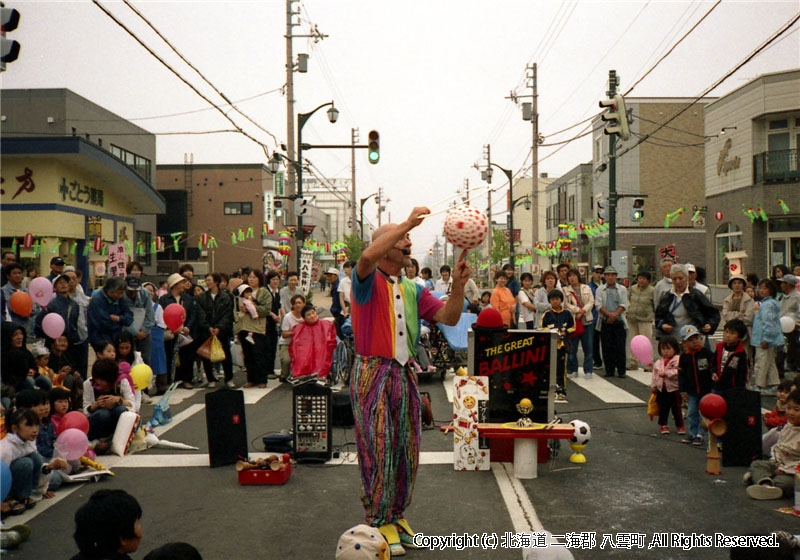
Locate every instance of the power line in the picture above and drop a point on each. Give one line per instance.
(669, 127)
(193, 67)
(699, 21)
(182, 112)
(602, 58)
(716, 84)
(188, 132)
(181, 78)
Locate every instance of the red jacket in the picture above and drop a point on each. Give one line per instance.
(775, 418)
(311, 348)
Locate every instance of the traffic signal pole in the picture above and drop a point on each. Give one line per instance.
(612, 171)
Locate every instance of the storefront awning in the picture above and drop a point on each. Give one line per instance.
(116, 176)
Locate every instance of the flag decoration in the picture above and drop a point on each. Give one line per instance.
(782, 204)
(176, 239)
(672, 216)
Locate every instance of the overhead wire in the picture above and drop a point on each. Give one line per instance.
(602, 58)
(197, 71)
(264, 147)
(716, 84)
(669, 35)
(263, 93)
(697, 23)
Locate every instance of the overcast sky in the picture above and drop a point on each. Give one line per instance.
(430, 76)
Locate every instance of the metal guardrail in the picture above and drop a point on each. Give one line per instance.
(775, 166)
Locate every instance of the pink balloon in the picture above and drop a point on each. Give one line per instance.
(41, 290)
(53, 325)
(642, 348)
(72, 444)
(76, 420)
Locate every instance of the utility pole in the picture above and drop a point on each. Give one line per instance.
(291, 68)
(379, 201)
(291, 177)
(488, 149)
(466, 186)
(354, 141)
(613, 81)
(535, 156)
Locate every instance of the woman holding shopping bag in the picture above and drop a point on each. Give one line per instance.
(215, 318)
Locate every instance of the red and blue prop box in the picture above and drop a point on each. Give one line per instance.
(519, 364)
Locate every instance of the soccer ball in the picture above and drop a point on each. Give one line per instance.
(583, 432)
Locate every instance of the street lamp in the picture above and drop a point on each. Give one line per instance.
(302, 118)
(361, 214)
(510, 176)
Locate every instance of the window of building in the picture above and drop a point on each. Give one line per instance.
(728, 239)
(777, 125)
(238, 208)
(144, 239)
(140, 164)
(571, 208)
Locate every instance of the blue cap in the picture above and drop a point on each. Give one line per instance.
(688, 331)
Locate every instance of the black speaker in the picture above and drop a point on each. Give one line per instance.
(741, 444)
(342, 414)
(227, 429)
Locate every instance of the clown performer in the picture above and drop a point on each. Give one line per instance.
(386, 313)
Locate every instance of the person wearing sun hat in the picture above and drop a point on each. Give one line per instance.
(177, 294)
(739, 305)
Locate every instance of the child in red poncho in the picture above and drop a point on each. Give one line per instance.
(312, 345)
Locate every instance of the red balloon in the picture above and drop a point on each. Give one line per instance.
(713, 406)
(74, 419)
(174, 316)
(21, 304)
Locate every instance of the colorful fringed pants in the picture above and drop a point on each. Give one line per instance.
(387, 425)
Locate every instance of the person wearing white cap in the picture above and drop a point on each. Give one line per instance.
(694, 284)
(612, 301)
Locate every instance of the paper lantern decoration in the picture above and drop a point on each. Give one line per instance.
(97, 244)
(718, 215)
(466, 227)
(28, 242)
(159, 242)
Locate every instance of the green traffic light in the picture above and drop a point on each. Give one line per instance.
(374, 156)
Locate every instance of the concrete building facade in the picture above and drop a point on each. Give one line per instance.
(74, 172)
(233, 202)
(751, 162)
(668, 168)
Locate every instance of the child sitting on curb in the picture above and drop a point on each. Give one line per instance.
(774, 478)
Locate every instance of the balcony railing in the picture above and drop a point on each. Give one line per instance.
(776, 166)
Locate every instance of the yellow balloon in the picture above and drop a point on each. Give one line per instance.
(141, 375)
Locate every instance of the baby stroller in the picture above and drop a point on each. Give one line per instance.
(344, 355)
(447, 345)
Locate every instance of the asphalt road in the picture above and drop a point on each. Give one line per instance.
(636, 482)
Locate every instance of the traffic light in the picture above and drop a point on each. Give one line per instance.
(9, 50)
(616, 117)
(374, 146)
(637, 211)
(430, 252)
(300, 206)
(602, 209)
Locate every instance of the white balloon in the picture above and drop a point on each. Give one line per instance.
(787, 325)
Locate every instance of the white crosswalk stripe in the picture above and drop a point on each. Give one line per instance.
(604, 390)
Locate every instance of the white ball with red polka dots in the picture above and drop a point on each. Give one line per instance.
(466, 227)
